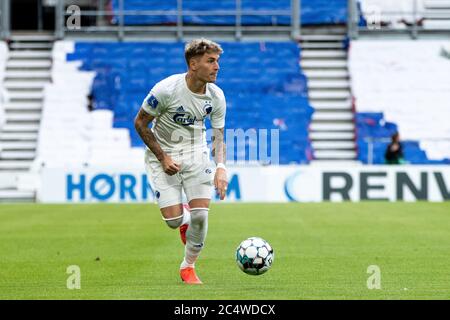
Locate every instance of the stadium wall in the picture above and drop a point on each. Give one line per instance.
(258, 184)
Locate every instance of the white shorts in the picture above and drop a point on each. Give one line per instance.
(195, 179)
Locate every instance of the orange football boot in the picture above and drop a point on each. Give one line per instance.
(189, 276)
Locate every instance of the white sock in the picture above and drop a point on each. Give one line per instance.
(184, 264)
(186, 216)
(196, 234)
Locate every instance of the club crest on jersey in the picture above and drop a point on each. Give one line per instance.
(207, 108)
(152, 102)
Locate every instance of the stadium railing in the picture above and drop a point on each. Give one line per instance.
(175, 19)
(4, 19)
(178, 18)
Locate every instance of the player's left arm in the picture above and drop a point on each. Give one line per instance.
(219, 153)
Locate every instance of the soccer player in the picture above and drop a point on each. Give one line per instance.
(177, 157)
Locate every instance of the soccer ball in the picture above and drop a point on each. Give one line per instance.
(254, 256)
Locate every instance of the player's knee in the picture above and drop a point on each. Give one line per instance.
(197, 229)
(199, 216)
(174, 222)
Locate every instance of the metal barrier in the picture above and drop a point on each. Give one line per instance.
(4, 19)
(376, 18)
(370, 142)
(179, 30)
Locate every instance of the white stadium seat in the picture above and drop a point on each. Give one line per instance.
(392, 12)
(3, 96)
(409, 81)
(69, 134)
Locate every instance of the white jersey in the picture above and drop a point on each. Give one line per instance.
(180, 114)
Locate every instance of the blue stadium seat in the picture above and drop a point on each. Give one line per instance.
(316, 12)
(372, 126)
(261, 92)
(313, 12)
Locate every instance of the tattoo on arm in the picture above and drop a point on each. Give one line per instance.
(141, 124)
(219, 147)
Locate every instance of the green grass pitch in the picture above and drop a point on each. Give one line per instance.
(322, 251)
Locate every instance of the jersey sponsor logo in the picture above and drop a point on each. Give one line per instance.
(152, 102)
(184, 119)
(180, 109)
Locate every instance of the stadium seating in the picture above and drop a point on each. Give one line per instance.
(312, 12)
(263, 84)
(316, 12)
(69, 134)
(374, 132)
(404, 86)
(3, 59)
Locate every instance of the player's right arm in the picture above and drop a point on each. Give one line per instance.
(151, 108)
(141, 123)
